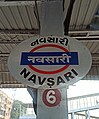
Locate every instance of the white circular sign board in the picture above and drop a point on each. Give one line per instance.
(49, 62)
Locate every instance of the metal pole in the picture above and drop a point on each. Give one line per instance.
(66, 105)
(20, 109)
(72, 115)
(87, 114)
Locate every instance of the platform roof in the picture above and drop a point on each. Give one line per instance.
(18, 22)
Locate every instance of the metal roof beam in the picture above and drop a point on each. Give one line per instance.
(12, 85)
(95, 55)
(19, 31)
(82, 39)
(88, 39)
(80, 114)
(84, 36)
(36, 31)
(17, 3)
(84, 31)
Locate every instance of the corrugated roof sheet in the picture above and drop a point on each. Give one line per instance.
(17, 17)
(82, 13)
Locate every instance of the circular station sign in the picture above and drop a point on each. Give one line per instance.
(49, 62)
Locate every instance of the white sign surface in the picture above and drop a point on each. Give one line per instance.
(49, 62)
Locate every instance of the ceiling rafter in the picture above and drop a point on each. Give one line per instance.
(36, 31)
(16, 3)
(84, 36)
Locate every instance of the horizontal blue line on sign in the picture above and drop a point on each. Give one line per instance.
(49, 58)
